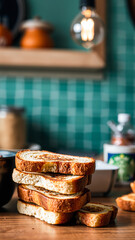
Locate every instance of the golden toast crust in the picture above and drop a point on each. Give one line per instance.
(40, 213)
(126, 202)
(65, 184)
(96, 214)
(57, 163)
(54, 204)
(132, 185)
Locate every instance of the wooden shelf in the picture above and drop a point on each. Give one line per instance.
(55, 62)
(50, 58)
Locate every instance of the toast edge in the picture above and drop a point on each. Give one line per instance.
(99, 219)
(73, 168)
(54, 204)
(126, 205)
(69, 186)
(40, 213)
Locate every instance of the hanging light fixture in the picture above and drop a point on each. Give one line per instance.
(87, 29)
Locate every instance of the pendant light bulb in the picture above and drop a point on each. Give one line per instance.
(87, 29)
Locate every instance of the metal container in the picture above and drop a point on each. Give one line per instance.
(104, 178)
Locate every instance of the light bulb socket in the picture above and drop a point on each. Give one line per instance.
(87, 3)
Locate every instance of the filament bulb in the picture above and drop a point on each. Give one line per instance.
(87, 28)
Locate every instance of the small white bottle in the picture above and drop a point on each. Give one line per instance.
(125, 127)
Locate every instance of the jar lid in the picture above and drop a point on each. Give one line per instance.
(37, 23)
(121, 149)
(123, 117)
(14, 109)
(6, 154)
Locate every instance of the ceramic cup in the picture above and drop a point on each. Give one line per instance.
(7, 186)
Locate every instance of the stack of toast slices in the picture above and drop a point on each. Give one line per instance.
(52, 187)
(127, 202)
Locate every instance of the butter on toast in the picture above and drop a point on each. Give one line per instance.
(126, 202)
(43, 161)
(65, 184)
(53, 201)
(42, 214)
(132, 185)
(96, 214)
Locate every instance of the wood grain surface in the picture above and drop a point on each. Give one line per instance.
(17, 227)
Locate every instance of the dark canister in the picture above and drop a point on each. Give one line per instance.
(7, 186)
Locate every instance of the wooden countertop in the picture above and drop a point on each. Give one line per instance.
(17, 227)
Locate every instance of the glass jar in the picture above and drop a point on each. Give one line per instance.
(124, 158)
(121, 151)
(12, 127)
(125, 132)
(125, 127)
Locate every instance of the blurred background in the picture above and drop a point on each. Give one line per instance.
(71, 114)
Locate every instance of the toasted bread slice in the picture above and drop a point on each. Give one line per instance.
(96, 214)
(126, 202)
(42, 214)
(43, 161)
(132, 185)
(65, 184)
(53, 201)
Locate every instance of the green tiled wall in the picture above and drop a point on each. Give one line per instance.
(73, 114)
